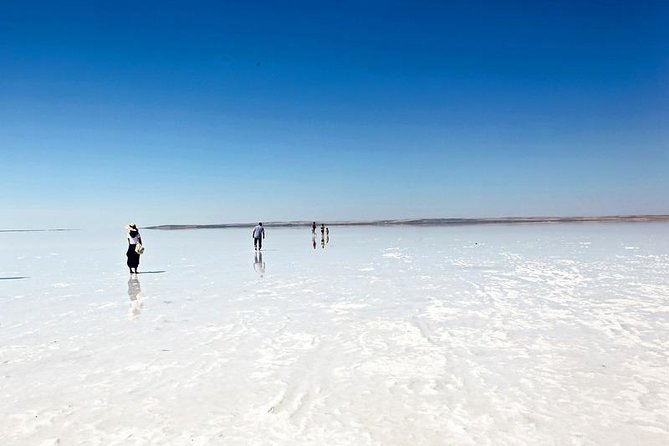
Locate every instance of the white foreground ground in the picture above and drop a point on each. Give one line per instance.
(480, 335)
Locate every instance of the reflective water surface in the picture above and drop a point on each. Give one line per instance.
(518, 334)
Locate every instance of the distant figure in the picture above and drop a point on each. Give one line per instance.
(327, 231)
(313, 228)
(258, 264)
(258, 235)
(134, 245)
(322, 231)
(136, 297)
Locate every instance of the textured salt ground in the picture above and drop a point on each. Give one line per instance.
(555, 334)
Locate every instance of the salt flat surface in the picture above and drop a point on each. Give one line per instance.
(477, 335)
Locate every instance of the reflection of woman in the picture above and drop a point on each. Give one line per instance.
(133, 239)
(136, 297)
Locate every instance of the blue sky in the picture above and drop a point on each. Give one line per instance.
(212, 112)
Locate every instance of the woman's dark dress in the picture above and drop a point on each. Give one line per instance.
(133, 257)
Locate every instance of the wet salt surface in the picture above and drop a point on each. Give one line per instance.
(519, 334)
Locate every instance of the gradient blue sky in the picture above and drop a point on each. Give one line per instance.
(207, 112)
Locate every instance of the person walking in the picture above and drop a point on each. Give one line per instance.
(313, 228)
(135, 247)
(258, 236)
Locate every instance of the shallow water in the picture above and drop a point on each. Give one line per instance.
(516, 334)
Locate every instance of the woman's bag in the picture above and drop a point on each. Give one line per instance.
(139, 249)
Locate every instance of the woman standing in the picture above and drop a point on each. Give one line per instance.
(134, 245)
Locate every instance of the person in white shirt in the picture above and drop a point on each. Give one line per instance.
(134, 239)
(258, 235)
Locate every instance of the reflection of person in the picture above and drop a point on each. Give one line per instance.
(133, 239)
(258, 235)
(258, 264)
(313, 241)
(322, 242)
(136, 297)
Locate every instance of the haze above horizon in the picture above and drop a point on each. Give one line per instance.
(151, 112)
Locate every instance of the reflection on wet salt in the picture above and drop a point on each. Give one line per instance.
(259, 264)
(136, 298)
(402, 336)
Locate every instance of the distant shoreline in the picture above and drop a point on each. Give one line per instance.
(431, 222)
(37, 230)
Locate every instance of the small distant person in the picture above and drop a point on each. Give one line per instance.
(258, 235)
(313, 228)
(322, 230)
(327, 231)
(134, 247)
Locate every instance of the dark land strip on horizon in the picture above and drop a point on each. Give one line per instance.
(432, 222)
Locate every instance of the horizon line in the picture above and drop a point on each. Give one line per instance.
(632, 218)
(425, 221)
(41, 230)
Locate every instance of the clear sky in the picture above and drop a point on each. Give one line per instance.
(163, 112)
